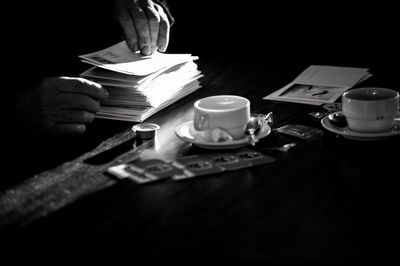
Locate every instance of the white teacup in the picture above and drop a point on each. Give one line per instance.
(370, 109)
(228, 112)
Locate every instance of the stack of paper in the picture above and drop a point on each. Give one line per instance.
(140, 86)
(320, 84)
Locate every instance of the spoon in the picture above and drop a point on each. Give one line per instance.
(265, 119)
(337, 119)
(253, 126)
(256, 123)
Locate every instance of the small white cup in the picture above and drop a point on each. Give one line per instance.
(228, 112)
(370, 109)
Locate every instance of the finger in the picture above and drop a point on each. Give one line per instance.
(142, 28)
(75, 116)
(164, 30)
(125, 20)
(84, 86)
(78, 101)
(153, 19)
(69, 128)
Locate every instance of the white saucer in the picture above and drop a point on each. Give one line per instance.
(350, 134)
(187, 132)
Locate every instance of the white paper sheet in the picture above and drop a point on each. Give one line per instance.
(121, 59)
(320, 84)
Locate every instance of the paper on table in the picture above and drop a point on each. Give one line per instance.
(331, 76)
(320, 84)
(140, 86)
(307, 94)
(138, 113)
(121, 59)
(97, 72)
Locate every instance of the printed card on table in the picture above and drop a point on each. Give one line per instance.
(151, 170)
(318, 84)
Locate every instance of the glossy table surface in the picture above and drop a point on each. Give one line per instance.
(328, 200)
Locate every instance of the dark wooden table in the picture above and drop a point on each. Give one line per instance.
(329, 200)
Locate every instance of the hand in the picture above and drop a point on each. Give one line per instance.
(144, 23)
(61, 105)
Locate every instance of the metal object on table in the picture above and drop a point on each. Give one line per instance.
(318, 115)
(266, 118)
(146, 131)
(253, 126)
(284, 148)
(257, 123)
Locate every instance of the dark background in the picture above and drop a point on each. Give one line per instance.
(282, 32)
(45, 37)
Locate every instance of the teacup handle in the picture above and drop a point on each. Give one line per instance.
(397, 117)
(201, 121)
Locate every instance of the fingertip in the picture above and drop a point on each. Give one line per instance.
(132, 45)
(162, 48)
(80, 129)
(88, 117)
(96, 84)
(95, 106)
(102, 92)
(105, 93)
(146, 50)
(70, 129)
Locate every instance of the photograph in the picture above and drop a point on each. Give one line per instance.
(311, 92)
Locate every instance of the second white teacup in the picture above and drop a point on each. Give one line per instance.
(370, 109)
(228, 112)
